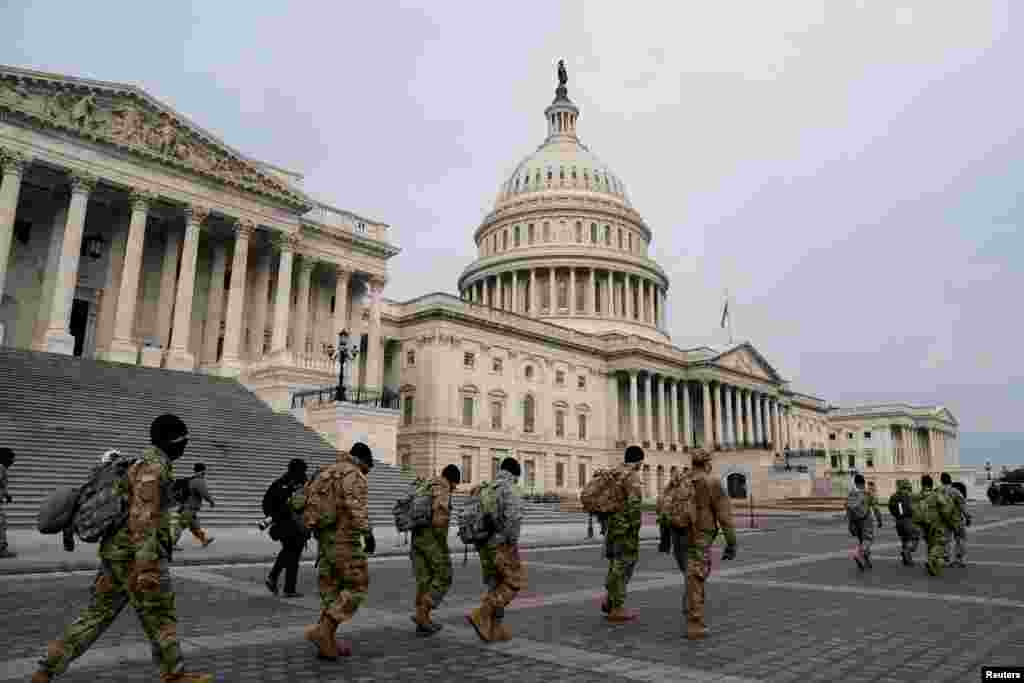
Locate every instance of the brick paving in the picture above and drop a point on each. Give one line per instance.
(792, 607)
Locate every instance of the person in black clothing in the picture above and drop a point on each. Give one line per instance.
(287, 527)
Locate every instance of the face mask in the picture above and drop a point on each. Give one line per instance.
(175, 448)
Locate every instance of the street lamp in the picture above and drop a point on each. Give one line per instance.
(342, 354)
(988, 469)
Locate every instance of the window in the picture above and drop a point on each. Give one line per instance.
(468, 360)
(410, 357)
(504, 240)
(831, 437)
(581, 420)
(467, 411)
(593, 233)
(869, 458)
(835, 462)
(496, 365)
(579, 231)
(560, 377)
(563, 293)
(515, 236)
(867, 435)
(852, 460)
(581, 473)
(560, 475)
(495, 414)
(620, 238)
(559, 423)
(407, 411)
(467, 469)
(849, 435)
(629, 240)
(547, 232)
(529, 473)
(581, 382)
(529, 233)
(528, 414)
(495, 467)
(361, 227)
(607, 236)
(529, 372)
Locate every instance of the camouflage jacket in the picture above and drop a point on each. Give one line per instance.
(674, 481)
(344, 512)
(713, 508)
(441, 492)
(509, 510)
(873, 508)
(147, 535)
(959, 504)
(3, 484)
(625, 526)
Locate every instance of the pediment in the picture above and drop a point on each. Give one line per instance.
(126, 117)
(746, 360)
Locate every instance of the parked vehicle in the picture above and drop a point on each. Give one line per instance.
(1007, 490)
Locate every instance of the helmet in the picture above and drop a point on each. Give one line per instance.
(700, 457)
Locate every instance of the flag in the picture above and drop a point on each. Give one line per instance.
(725, 313)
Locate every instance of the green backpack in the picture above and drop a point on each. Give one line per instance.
(478, 517)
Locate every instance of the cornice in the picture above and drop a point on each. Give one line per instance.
(562, 203)
(360, 243)
(561, 257)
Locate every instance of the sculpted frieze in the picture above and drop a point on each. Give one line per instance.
(127, 121)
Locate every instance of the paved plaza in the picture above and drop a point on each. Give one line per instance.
(791, 607)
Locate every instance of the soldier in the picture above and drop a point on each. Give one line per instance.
(961, 520)
(901, 507)
(285, 500)
(503, 571)
(862, 513)
(622, 540)
(671, 538)
(6, 460)
(933, 512)
(188, 511)
(713, 512)
(431, 561)
(336, 511)
(134, 567)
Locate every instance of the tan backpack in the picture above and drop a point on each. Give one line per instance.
(321, 497)
(605, 493)
(680, 504)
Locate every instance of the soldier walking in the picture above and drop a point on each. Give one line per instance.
(961, 520)
(862, 514)
(6, 460)
(901, 507)
(134, 567)
(504, 572)
(431, 561)
(188, 512)
(336, 511)
(712, 513)
(933, 512)
(622, 539)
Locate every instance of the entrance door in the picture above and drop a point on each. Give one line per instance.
(736, 484)
(79, 321)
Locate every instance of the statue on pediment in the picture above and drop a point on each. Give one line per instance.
(127, 126)
(57, 108)
(161, 136)
(15, 95)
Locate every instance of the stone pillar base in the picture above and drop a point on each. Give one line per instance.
(152, 356)
(58, 342)
(177, 359)
(229, 367)
(121, 351)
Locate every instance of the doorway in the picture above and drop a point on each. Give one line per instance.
(736, 484)
(78, 324)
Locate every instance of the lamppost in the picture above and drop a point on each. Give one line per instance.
(342, 354)
(988, 469)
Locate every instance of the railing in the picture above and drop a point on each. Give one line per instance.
(372, 398)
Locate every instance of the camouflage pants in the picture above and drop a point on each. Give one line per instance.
(909, 535)
(116, 586)
(622, 554)
(431, 563)
(187, 520)
(698, 568)
(504, 575)
(956, 544)
(864, 532)
(935, 539)
(3, 526)
(344, 577)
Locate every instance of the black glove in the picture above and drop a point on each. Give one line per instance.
(665, 544)
(69, 540)
(729, 553)
(371, 543)
(9, 499)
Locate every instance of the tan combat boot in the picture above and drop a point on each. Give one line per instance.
(424, 625)
(620, 615)
(184, 677)
(482, 620)
(40, 677)
(500, 632)
(323, 636)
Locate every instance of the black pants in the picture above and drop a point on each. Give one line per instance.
(288, 560)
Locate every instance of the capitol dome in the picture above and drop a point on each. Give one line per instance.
(563, 242)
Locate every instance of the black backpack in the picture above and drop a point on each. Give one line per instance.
(180, 489)
(901, 507)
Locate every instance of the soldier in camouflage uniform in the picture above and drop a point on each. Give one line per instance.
(713, 512)
(622, 539)
(909, 533)
(134, 567)
(961, 520)
(336, 511)
(431, 561)
(6, 460)
(504, 573)
(933, 512)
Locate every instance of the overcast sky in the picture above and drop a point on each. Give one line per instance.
(850, 171)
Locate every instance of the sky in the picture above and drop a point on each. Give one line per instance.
(849, 171)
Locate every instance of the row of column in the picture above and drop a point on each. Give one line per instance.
(728, 416)
(605, 293)
(176, 295)
(929, 448)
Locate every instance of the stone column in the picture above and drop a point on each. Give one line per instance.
(515, 291)
(572, 291)
(634, 408)
(534, 298)
(257, 335)
(283, 300)
(609, 296)
(178, 356)
(340, 302)
(551, 292)
(765, 423)
(649, 301)
(168, 278)
(57, 338)
(613, 412)
(591, 298)
(628, 288)
(730, 428)
(123, 348)
(748, 427)
(373, 345)
(232, 361)
(674, 410)
(718, 414)
(706, 413)
(687, 415)
(214, 303)
(664, 400)
(301, 325)
(755, 422)
(649, 416)
(14, 165)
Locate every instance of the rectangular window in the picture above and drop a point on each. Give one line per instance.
(504, 240)
(560, 377)
(530, 234)
(629, 240)
(593, 233)
(496, 365)
(515, 236)
(851, 460)
(607, 236)
(581, 382)
(467, 469)
(467, 411)
(468, 360)
(869, 459)
(547, 232)
(620, 238)
(831, 437)
(560, 423)
(560, 475)
(582, 420)
(849, 435)
(495, 414)
(835, 462)
(867, 435)
(529, 473)
(410, 357)
(581, 473)
(495, 466)
(407, 411)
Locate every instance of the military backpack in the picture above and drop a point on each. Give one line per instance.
(901, 506)
(478, 517)
(102, 503)
(321, 503)
(680, 505)
(605, 493)
(56, 511)
(856, 506)
(415, 509)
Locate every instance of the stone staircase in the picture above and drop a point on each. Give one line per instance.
(809, 504)
(60, 413)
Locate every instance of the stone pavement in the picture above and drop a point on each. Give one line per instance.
(791, 607)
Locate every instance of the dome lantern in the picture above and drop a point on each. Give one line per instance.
(562, 113)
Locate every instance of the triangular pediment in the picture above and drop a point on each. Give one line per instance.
(745, 359)
(128, 118)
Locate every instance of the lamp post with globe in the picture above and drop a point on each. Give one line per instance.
(342, 353)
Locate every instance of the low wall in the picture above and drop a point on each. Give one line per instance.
(343, 424)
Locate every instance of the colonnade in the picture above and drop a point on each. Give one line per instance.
(917, 447)
(572, 291)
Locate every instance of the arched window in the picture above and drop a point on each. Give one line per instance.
(629, 236)
(593, 233)
(620, 238)
(504, 240)
(547, 232)
(579, 231)
(529, 372)
(581, 427)
(528, 414)
(515, 236)
(530, 234)
(607, 236)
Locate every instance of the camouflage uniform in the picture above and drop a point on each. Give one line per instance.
(134, 570)
(504, 573)
(909, 533)
(864, 529)
(622, 539)
(932, 511)
(959, 529)
(188, 513)
(431, 561)
(673, 538)
(341, 528)
(713, 512)
(3, 504)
